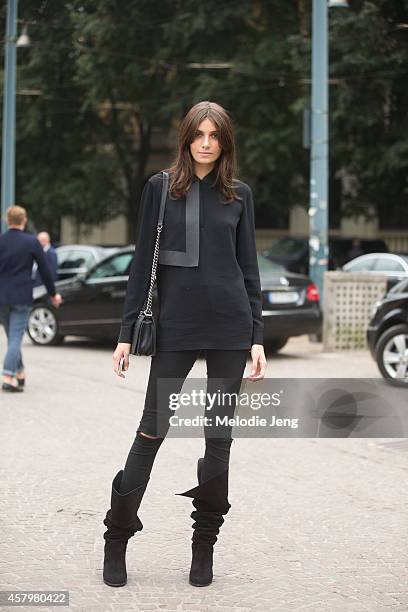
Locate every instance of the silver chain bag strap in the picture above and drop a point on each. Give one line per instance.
(144, 330)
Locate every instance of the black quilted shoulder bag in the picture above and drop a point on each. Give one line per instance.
(144, 330)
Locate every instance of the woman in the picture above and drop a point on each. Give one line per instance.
(209, 299)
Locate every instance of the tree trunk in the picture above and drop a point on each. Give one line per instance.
(136, 188)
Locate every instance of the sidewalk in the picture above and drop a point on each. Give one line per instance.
(315, 524)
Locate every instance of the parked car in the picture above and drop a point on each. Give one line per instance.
(293, 252)
(74, 259)
(387, 334)
(290, 304)
(93, 304)
(393, 265)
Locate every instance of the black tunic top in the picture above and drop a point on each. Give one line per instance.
(207, 278)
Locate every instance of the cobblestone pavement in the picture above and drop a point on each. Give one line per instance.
(315, 524)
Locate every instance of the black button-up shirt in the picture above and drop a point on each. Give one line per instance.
(207, 278)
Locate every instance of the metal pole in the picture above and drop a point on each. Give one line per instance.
(318, 207)
(9, 113)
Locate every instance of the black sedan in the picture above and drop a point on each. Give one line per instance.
(290, 304)
(387, 334)
(93, 304)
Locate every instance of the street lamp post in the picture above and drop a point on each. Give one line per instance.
(9, 113)
(319, 167)
(319, 163)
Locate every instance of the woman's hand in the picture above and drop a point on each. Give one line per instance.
(122, 350)
(258, 362)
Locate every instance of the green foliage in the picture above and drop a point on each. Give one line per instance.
(368, 108)
(101, 78)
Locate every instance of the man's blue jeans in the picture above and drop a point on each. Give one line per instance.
(14, 318)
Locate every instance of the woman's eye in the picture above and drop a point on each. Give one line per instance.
(199, 135)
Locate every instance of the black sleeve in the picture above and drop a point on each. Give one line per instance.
(44, 268)
(247, 259)
(140, 269)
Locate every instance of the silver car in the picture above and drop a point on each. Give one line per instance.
(74, 259)
(393, 265)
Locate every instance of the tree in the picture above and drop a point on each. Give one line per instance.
(368, 108)
(121, 66)
(103, 80)
(59, 172)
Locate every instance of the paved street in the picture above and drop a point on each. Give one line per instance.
(315, 524)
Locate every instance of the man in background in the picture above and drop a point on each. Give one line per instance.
(18, 251)
(355, 250)
(51, 256)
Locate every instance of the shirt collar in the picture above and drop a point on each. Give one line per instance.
(209, 178)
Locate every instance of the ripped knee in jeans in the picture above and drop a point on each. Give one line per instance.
(145, 435)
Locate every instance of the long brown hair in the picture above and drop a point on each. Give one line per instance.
(182, 169)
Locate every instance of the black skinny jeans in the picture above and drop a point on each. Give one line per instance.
(221, 364)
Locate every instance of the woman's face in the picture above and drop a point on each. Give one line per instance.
(205, 148)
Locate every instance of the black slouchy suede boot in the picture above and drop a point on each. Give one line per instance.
(210, 499)
(122, 522)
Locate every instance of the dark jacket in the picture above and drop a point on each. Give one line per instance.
(52, 260)
(208, 279)
(18, 251)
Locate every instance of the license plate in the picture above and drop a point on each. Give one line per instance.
(283, 297)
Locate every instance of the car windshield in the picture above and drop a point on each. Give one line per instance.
(74, 258)
(361, 264)
(286, 246)
(404, 257)
(265, 265)
(401, 287)
(62, 255)
(117, 265)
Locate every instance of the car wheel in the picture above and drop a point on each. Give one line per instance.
(392, 354)
(275, 344)
(42, 326)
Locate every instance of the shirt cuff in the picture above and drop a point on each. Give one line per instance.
(257, 336)
(125, 335)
